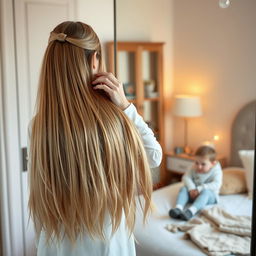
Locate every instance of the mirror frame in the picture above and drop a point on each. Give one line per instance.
(253, 233)
(253, 227)
(115, 39)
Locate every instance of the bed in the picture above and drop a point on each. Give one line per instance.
(154, 240)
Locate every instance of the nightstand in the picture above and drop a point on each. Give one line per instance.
(177, 165)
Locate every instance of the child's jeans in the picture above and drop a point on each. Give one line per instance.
(205, 197)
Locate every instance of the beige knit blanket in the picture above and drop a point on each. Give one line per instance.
(217, 232)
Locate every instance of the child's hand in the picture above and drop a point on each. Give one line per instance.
(193, 194)
(108, 82)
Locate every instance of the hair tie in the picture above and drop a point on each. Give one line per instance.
(84, 43)
(61, 37)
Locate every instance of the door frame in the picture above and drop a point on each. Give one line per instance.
(12, 229)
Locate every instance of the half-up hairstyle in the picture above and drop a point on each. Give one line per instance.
(86, 157)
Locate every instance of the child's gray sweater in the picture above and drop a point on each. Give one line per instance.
(211, 180)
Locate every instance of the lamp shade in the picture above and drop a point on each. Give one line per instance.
(187, 106)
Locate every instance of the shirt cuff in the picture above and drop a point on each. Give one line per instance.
(191, 187)
(130, 109)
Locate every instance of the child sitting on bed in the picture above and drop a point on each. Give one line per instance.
(202, 184)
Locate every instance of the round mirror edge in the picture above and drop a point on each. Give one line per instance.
(253, 234)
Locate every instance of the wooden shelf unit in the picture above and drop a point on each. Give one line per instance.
(138, 62)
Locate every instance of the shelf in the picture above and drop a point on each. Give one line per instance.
(140, 69)
(145, 99)
(152, 99)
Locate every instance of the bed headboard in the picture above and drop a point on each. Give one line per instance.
(243, 132)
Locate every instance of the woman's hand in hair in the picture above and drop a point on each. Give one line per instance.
(108, 82)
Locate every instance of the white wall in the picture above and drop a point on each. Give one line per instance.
(100, 16)
(215, 58)
(150, 20)
(210, 52)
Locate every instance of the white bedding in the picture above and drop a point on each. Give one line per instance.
(154, 240)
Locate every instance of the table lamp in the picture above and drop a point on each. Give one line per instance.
(187, 106)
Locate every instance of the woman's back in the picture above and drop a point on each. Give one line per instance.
(87, 159)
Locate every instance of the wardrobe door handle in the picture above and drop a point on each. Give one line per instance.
(24, 152)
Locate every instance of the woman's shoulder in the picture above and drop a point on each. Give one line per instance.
(30, 124)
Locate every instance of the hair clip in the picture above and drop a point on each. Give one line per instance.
(61, 37)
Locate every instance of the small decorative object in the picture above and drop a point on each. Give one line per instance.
(178, 150)
(129, 90)
(149, 87)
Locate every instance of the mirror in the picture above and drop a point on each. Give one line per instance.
(208, 52)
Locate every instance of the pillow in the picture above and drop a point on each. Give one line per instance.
(247, 157)
(233, 181)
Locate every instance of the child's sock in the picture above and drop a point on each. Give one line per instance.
(193, 209)
(179, 206)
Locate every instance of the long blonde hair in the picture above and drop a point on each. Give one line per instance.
(87, 158)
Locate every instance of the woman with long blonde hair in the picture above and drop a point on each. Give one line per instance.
(90, 152)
